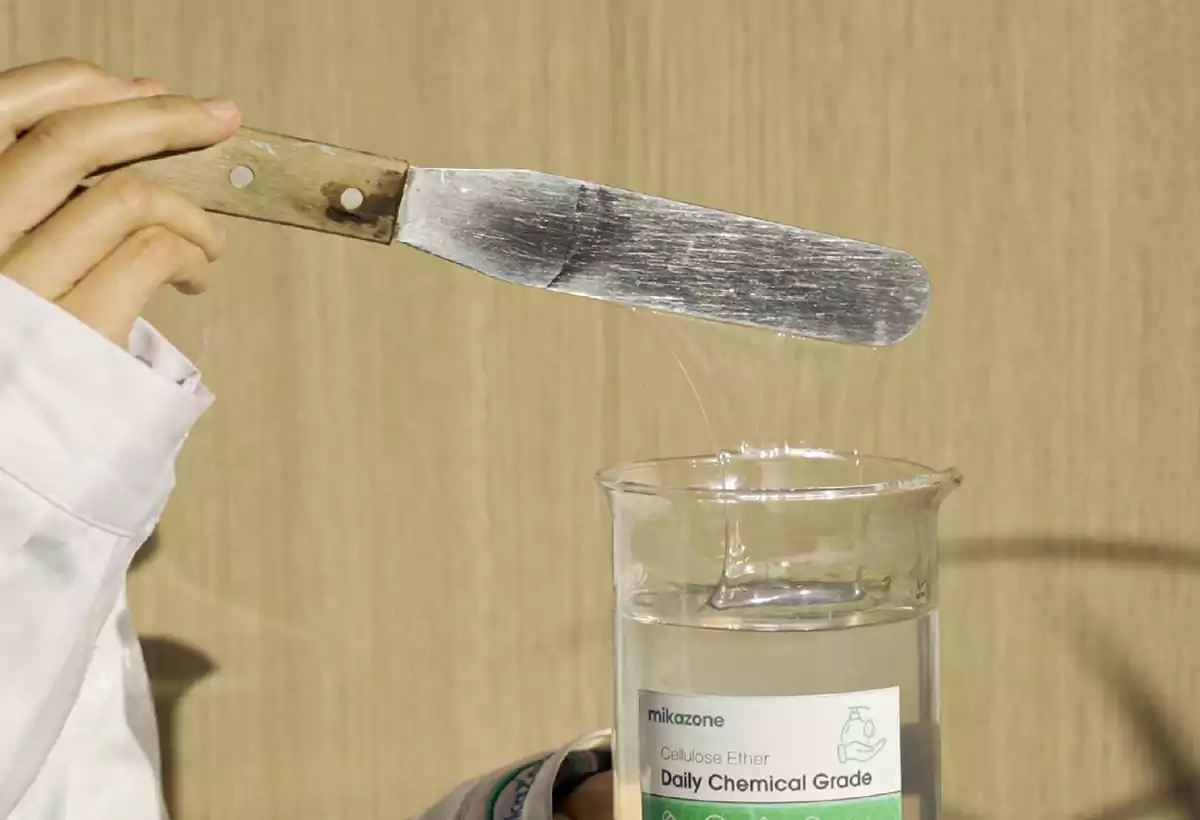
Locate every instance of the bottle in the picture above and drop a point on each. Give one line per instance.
(776, 637)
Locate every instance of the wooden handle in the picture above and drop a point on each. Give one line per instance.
(275, 178)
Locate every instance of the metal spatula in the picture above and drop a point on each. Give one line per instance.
(566, 235)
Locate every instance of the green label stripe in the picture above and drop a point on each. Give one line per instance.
(886, 807)
(520, 780)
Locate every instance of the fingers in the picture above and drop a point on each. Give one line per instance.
(104, 253)
(89, 228)
(30, 93)
(115, 292)
(592, 800)
(42, 168)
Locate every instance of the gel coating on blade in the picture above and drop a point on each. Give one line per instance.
(621, 246)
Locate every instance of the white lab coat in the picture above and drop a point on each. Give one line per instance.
(88, 440)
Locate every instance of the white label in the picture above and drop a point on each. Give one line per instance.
(790, 749)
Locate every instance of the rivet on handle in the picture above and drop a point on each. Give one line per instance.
(241, 176)
(351, 199)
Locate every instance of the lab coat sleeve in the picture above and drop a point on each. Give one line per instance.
(88, 440)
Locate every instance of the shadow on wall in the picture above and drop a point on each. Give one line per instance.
(174, 669)
(1155, 731)
(1176, 558)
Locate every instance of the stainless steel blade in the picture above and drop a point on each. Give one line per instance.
(562, 234)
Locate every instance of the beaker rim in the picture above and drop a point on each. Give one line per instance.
(620, 478)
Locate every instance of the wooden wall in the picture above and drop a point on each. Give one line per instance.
(385, 567)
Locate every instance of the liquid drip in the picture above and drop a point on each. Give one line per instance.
(742, 583)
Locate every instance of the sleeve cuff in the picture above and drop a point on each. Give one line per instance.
(84, 423)
(528, 789)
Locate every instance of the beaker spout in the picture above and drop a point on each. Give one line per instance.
(952, 479)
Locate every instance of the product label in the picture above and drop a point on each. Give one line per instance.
(803, 757)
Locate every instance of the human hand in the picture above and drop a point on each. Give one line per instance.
(101, 255)
(592, 800)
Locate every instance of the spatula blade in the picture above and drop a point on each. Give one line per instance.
(620, 246)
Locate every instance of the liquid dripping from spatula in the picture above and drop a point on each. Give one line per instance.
(743, 581)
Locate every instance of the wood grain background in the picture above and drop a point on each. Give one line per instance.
(385, 568)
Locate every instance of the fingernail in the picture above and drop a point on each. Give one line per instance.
(223, 110)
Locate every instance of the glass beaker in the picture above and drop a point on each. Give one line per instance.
(776, 637)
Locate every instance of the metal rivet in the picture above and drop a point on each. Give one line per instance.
(352, 198)
(241, 176)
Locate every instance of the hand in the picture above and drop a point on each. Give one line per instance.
(102, 254)
(592, 800)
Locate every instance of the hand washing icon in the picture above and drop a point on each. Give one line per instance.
(858, 738)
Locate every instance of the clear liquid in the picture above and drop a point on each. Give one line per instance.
(722, 653)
